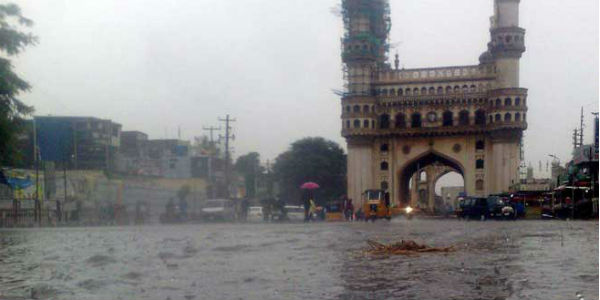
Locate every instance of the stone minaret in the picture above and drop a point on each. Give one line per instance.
(508, 98)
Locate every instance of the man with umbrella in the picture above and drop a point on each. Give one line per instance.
(308, 199)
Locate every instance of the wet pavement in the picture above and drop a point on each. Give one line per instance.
(494, 260)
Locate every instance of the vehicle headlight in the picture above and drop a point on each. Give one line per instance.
(408, 209)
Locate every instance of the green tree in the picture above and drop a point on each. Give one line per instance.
(249, 166)
(12, 110)
(312, 159)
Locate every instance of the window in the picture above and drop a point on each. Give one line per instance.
(517, 101)
(348, 124)
(415, 120)
(507, 117)
(384, 185)
(384, 166)
(356, 108)
(423, 91)
(431, 91)
(479, 145)
(465, 88)
(498, 102)
(415, 91)
(366, 108)
(440, 90)
(479, 185)
(479, 164)
(473, 88)
(448, 89)
(498, 118)
(447, 118)
(491, 119)
(400, 121)
(400, 92)
(384, 92)
(407, 91)
(348, 109)
(507, 102)
(366, 123)
(456, 88)
(517, 117)
(356, 123)
(372, 123)
(384, 121)
(463, 118)
(480, 117)
(392, 92)
(384, 148)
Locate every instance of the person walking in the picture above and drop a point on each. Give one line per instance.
(349, 210)
(306, 207)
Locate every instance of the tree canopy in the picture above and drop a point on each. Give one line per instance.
(12, 110)
(249, 166)
(312, 159)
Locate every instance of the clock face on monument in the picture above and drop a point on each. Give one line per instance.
(431, 117)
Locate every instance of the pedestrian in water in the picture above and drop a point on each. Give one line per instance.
(349, 210)
(312, 210)
(306, 207)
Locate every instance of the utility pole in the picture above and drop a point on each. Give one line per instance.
(211, 131)
(211, 177)
(38, 206)
(227, 137)
(581, 128)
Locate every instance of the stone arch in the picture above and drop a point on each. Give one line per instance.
(480, 117)
(447, 118)
(416, 120)
(384, 121)
(463, 118)
(400, 120)
(408, 169)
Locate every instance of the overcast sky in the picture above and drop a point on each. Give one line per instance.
(154, 65)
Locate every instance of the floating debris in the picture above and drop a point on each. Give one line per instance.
(402, 248)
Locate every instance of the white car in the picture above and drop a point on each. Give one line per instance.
(255, 214)
(295, 213)
(217, 209)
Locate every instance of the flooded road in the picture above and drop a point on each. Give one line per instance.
(494, 260)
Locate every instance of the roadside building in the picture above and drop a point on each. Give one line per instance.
(71, 142)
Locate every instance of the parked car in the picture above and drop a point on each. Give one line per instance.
(217, 210)
(288, 213)
(500, 208)
(295, 213)
(255, 214)
(473, 208)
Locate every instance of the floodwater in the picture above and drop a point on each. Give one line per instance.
(494, 260)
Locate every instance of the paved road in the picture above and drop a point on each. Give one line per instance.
(494, 260)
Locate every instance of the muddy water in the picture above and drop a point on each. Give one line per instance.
(495, 260)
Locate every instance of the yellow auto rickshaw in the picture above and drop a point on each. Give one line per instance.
(376, 205)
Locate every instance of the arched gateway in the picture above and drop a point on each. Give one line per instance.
(399, 122)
